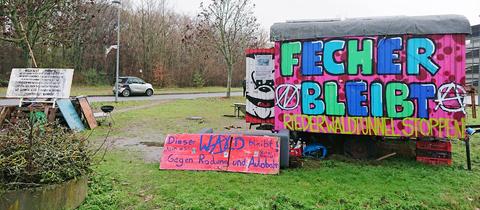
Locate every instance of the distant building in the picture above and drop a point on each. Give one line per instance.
(473, 57)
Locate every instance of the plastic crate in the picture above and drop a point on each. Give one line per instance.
(434, 161)
(296, 152)
(433, 154)
(434, 145)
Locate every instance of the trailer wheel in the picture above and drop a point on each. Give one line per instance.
(360, 148)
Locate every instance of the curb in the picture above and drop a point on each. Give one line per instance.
(164, 94)
(157, 94)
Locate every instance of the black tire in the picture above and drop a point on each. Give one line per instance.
(149, 92)
(126, 93)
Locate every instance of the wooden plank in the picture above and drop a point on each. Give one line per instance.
(386, 156)
(87, 112)
(5, 113)
(70, 115)
(52, 114)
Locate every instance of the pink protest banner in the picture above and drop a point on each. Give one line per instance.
(221, 152)
(259, 155)
(185, 152)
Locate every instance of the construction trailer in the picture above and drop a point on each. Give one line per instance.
(355, 85)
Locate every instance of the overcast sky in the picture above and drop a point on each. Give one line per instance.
(271, 11)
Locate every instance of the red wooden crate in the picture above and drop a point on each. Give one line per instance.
(435, 145)
(434, 161)
(434, 154)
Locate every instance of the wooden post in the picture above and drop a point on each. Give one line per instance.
(474, 106)
(467, 151)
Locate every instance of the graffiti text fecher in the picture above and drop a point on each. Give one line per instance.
(318, 56)
(393, 77)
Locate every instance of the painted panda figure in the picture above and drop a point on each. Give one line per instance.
(260, 88)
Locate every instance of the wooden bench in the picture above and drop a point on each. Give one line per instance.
(239, 107)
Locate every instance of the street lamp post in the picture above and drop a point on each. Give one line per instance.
(118, 48)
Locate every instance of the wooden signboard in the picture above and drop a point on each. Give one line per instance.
(87, 112)
(40, 83)
(70, 115)
(221, 152)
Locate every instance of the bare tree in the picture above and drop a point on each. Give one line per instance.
(171, 49)
(230, 25)
(28, 22)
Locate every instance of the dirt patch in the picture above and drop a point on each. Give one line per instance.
(147, 141)
(152, 144)
(147, 144)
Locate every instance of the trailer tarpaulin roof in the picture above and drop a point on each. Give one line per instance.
(370, 26)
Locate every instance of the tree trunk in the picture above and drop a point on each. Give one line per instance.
(229, 79)
(26, 56)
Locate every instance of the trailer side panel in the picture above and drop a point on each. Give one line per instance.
(396, 85)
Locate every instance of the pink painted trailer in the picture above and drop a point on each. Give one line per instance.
(340, 82)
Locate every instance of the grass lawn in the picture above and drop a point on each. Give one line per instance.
(124, 181)
(107, 90)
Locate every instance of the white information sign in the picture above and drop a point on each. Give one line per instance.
(264, 66)
(40, 83)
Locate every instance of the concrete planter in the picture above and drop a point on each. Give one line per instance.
(67, 195)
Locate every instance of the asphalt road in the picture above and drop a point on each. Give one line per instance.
(8, 102)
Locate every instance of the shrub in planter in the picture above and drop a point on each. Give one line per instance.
(42, 166)
(34, 154)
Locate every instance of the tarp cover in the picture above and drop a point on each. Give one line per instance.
(394, 25)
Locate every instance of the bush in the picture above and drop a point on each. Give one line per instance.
(198, 80)
(3, 83)
(35, 154)
(92, 77)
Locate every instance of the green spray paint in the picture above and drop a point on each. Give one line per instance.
(288, 61)
(394, 100)
(362, 57)
(333, 107)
